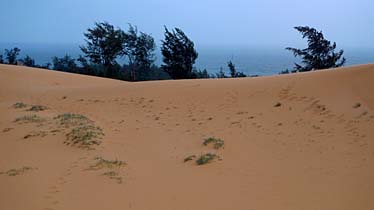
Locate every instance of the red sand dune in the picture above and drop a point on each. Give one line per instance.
(291, 142)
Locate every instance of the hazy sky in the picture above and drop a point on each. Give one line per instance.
(207, 22)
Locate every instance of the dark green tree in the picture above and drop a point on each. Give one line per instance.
(11, 55)
(233, 71)
(66, 64)
(139, 50)
(320, 53)
(179, 54)
(28, 61)
(1, 59)
(103, 46)
(221, 73)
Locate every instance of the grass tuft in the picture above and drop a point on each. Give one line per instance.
(217, 143)
(71, 119)
(84, 136)
(37, 108)
(29, 119)
(16, 172)
(19, 105)
(102, 163)
(206, 158)
(189, 158)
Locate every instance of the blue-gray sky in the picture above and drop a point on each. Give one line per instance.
(208, 22)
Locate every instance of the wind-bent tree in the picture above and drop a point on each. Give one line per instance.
(11, 55)
(139, 49)
(179, 54)
(233, 71)
(320, 53)
(66, 64)
(28, 61)
(103, 46)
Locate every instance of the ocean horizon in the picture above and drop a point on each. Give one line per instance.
(261, 61)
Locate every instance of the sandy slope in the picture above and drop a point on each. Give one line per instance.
(313, 152)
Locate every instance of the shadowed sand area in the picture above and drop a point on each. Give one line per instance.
(291, 142)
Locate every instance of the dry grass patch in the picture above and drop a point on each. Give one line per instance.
(29, 119)
(18, 171)
(111, 167)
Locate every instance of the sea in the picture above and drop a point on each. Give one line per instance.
(256, 60)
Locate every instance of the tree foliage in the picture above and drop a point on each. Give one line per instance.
(103, 46)
(28, 61)
(320, 53)
(66, 64)
(179, 54)
(233, 71)
(11, 55)
(138, 48)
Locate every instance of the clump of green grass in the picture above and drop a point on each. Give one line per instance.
(29, 119)
(189, 158)
(71, 119)
(19, 105)
(84, 136)
(16, 172)
(102, 163)
(206, 158)
(37, 108)
(217, 143)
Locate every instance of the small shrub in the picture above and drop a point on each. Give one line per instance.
(217, 143)
(37, 108)
(70, 119)
(206, 158)
(29, 119)
(189, 158)
(84, 136)
(19, 105)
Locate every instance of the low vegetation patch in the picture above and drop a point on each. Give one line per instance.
(29, 119)
(112, 168)
(113, 175)
(217, 143)
(189, 158)
(84, 136)
(71, 119)
(19, 105)
(102, 163)
(206, 158)
(36, 134)
(16, 172)
(37, 108)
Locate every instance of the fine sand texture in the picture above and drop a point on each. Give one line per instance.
(302, 141)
